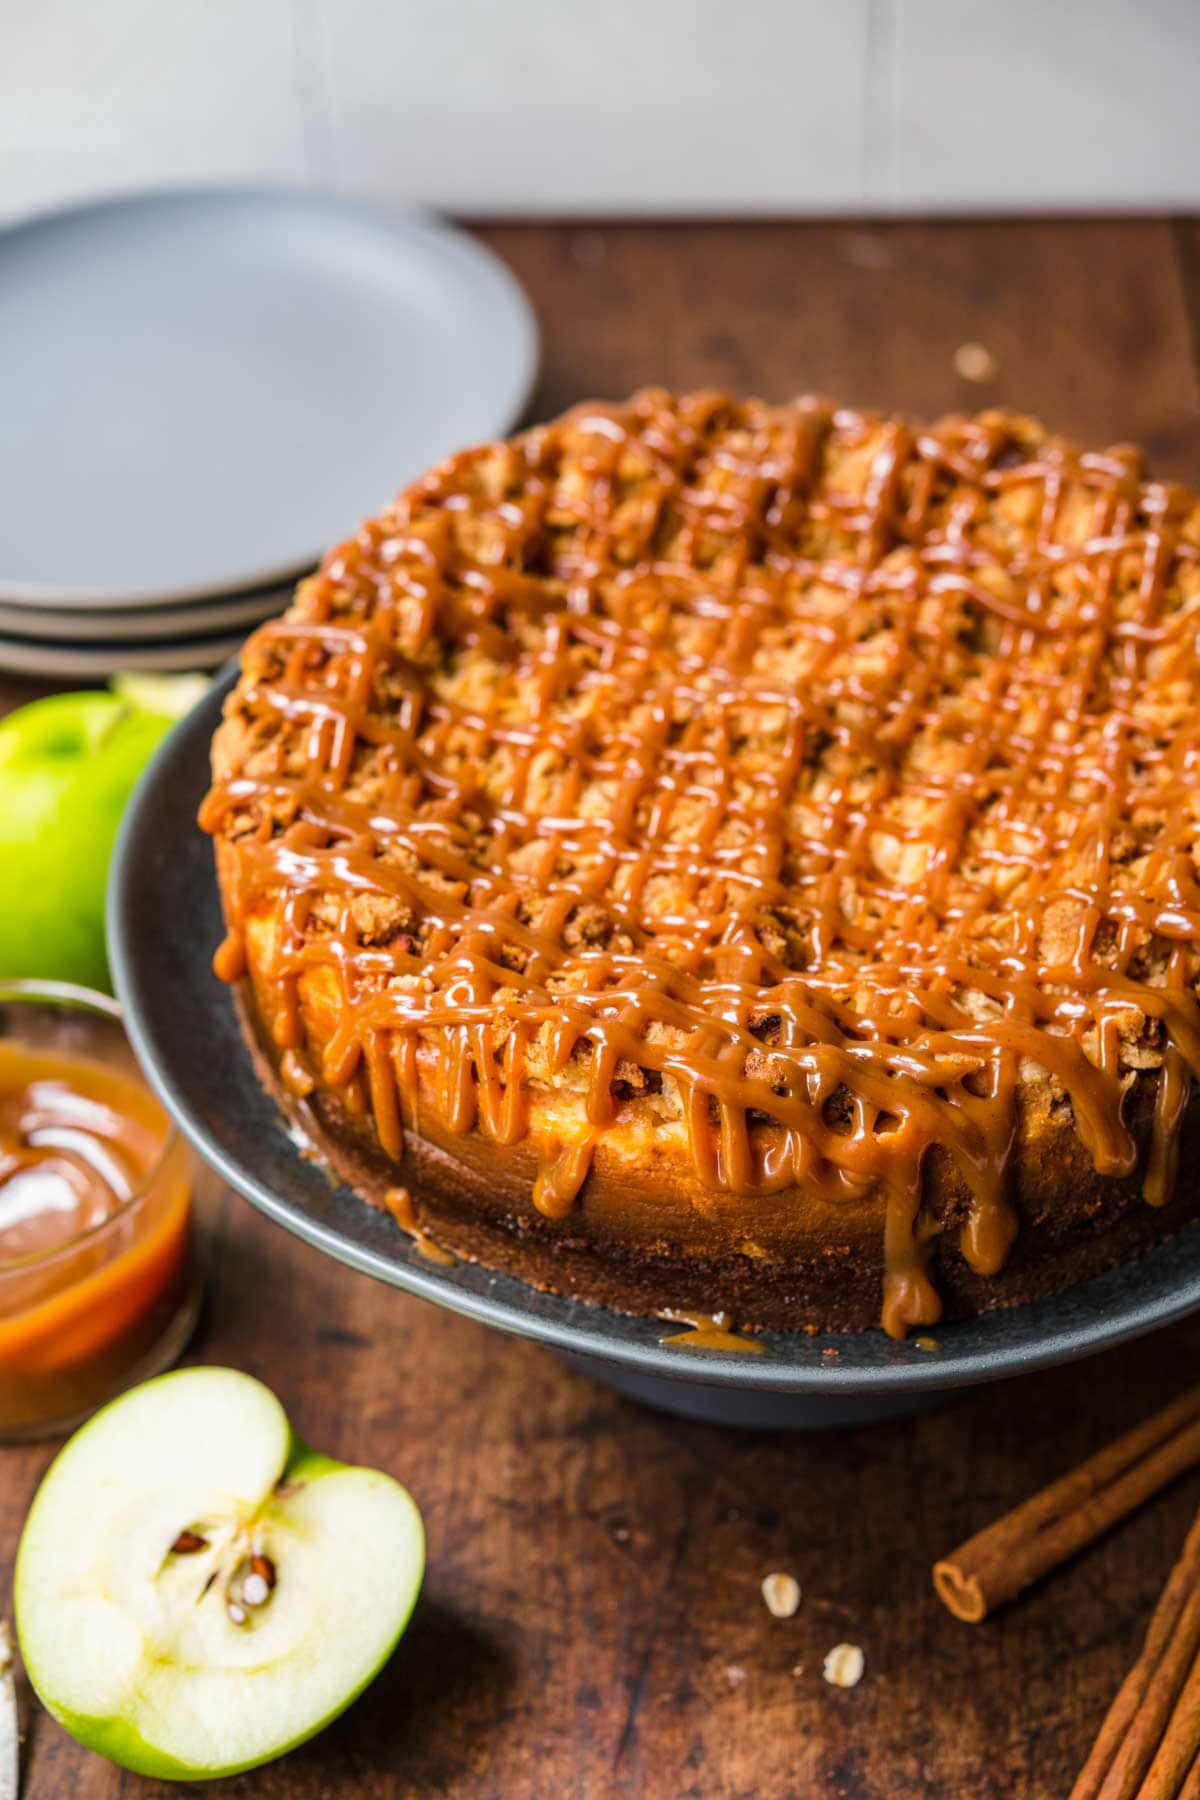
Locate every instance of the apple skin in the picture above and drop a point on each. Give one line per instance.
(67, 767)
(121, 1742)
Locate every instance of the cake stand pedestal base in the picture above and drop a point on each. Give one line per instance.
(758, 1410)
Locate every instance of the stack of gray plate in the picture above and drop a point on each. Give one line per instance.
(204, 388)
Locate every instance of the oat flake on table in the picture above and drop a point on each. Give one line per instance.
(844, 1666)
(781, 1593)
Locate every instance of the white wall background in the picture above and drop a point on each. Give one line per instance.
(625, 107)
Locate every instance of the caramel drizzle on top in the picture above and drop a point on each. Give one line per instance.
(825, 772)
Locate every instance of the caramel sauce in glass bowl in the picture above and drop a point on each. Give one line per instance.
(98, 1281)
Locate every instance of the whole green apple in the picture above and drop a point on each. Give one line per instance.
(67, 767)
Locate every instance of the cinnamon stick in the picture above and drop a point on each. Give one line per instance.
(1005, 1558)
(1160, 1635)
(1191, 1787)
(1176, 1753)
(1147, 1747)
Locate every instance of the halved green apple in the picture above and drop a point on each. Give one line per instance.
(196, 1590)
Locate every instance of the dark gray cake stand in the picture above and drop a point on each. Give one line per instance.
(164, 922)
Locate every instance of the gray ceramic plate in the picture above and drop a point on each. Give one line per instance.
(205, 387)
(164, 922)
(82, 625)
(96, 661)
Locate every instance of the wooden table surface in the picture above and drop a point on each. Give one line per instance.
(592, 1623)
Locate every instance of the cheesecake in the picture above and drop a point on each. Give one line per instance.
(739, 857)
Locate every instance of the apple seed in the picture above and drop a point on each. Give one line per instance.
(187, 1544)
(262, 1565)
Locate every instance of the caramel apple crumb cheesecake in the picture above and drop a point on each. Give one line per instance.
(740, 857)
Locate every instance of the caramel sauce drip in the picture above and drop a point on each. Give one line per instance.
(707, 1331)
(403, 1209)
(804, 782)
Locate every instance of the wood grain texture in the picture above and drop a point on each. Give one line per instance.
(592, 1623)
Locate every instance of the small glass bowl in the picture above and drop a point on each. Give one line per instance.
(118, 1301)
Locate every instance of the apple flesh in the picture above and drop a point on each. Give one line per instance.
(197, 1591)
